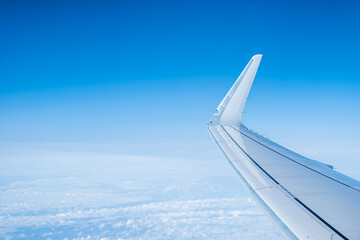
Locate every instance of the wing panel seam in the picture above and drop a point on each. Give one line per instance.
(295, 198)
(324, 175)
(253, 192)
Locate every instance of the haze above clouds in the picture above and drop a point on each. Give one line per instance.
(52, 192)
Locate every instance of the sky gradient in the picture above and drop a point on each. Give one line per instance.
(110, 99)
(76, 71)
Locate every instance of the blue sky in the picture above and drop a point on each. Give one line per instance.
(109, 101)
(115, 71)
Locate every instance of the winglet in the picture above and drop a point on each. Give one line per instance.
(229, 112)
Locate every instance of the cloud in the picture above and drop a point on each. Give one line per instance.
(223, 218)
(113, 196)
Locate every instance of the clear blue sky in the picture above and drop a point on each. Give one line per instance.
(154, 71)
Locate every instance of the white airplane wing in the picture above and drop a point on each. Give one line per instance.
(305, 198)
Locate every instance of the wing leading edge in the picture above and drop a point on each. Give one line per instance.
(305, 198)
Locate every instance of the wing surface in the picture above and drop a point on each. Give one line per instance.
(305, 198)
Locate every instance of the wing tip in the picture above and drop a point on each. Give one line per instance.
(257, 57)
(233, 116)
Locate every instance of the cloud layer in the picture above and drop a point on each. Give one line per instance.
(226, 218)
(87, 195)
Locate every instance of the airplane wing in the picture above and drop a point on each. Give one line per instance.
(305, 198)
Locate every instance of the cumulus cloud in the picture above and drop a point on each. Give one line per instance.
(223, 218)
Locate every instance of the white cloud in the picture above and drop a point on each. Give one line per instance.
(113, 196)
(224, 218)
